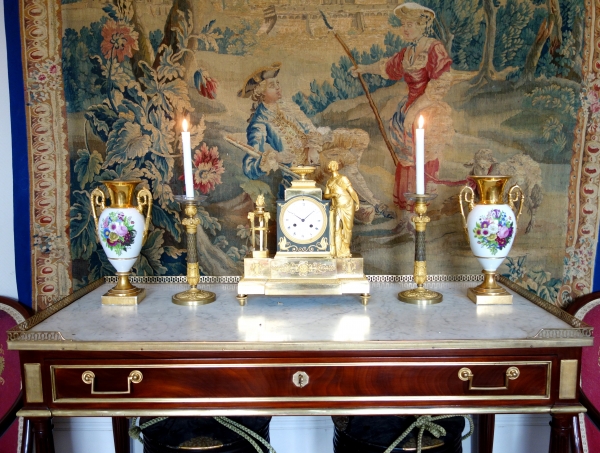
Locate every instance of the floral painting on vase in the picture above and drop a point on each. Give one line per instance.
(117, 232)
(494, 231)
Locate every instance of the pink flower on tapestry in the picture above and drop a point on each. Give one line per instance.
(120, 40)
(208, 168)
(594, 102)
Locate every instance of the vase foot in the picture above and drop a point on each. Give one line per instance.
(194, 296)
(420, 296)
(119, 297)
(489, 292)
(482, 297)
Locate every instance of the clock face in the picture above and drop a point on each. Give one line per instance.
(303, 220)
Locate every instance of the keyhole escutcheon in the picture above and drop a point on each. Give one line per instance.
(300, 379)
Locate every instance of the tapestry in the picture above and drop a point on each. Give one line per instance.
(503, 86)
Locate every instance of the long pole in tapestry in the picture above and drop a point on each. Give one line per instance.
(365, 88)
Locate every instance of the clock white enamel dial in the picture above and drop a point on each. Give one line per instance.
(303, 220)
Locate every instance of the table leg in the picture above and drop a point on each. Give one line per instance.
(576, 443)
(121, 434)
(560, 433)
(42, 429)
(485, 435)
(26, 438)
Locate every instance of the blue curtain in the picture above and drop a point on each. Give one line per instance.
(20, 154)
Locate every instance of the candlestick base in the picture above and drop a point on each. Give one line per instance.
(194, 296)
(420, 296)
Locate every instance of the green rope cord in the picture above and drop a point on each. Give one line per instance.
(135, 431)
(471, 427)
(426, 422)
(245, 432)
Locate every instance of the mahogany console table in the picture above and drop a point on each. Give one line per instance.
(299, 356)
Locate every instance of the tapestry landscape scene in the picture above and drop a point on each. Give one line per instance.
(503, 87)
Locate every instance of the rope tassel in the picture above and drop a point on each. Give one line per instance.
(246, 433)
(426, 422)
(135, 432)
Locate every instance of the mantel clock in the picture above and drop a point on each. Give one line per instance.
(305, 263)
(303, 219)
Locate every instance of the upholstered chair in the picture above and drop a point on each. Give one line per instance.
(14, 432)
(586, 427)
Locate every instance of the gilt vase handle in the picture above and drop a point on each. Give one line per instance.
(98, 201)
(144, 199)
(515, 194)
(467, 195)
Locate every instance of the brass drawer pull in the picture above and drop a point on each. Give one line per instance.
(300, 379)
(134, 377)
(512, 373)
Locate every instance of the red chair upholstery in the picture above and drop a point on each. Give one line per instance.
(586, 435)
(12, 431)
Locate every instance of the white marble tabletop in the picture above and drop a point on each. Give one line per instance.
(300, 323)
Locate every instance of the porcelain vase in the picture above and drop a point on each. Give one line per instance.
(122, 229)
(491, 228)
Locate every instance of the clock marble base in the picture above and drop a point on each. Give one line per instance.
(303, 276)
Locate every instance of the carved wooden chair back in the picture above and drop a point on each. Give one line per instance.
(13, 430)
(586, 432)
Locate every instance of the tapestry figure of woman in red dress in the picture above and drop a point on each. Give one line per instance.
(424, 65)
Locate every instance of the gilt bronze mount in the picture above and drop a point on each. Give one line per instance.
(420, 295)
(192, 296)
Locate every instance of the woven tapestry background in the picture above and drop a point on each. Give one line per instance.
(516, 90)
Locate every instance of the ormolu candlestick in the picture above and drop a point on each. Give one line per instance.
(420, 295)
(192, 296)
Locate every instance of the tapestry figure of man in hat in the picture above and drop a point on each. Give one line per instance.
(284, 136)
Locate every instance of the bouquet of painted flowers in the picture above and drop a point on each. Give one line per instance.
(118, 232)
(494, 231)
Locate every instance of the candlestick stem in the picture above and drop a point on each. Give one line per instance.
(420, 295)
(192, 296)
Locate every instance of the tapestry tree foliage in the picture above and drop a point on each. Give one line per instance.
(238, 41)
(513, 34)
(133, 122)
(456, 24)
(83, 86)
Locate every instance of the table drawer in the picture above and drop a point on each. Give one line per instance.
(336, 381)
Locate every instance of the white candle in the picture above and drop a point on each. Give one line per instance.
(420, 157)
(187, 161)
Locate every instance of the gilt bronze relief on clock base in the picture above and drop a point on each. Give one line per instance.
(296, 276)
